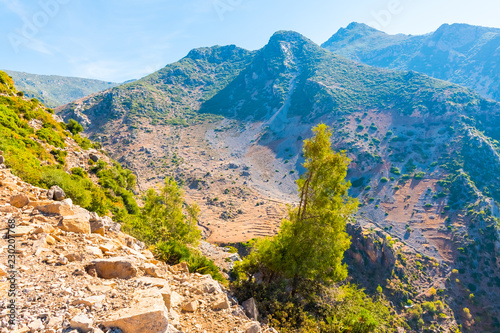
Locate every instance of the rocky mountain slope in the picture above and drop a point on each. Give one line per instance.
(75, 270)
(460, 53)
(64, 268)
(53, 90)
(230, 124)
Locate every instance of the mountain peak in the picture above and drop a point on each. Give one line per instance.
(356, 26)
(354, 32)
(216, 54)
(288, 36)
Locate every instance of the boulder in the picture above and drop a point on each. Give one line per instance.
(2, 159)
(250, 309)
(97, 227)
(110, 225)
(64, 208)
(56, 193)
(190, 306)
(118, 267)
(94, 157)
(209, 286)
(221, 303)
(94, 216)
(151, 270)
(19, 201)
(171, 298)
(81, 322)
(253, 327)
(36, 326)
(148, 314)
(94, 250)
(78, 222)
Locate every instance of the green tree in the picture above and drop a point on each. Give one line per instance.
(312, 241)
(74, 127)
(165, 217)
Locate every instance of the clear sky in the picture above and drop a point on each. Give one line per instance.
(117, 40)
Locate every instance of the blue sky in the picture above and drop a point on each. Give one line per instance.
(117, 40)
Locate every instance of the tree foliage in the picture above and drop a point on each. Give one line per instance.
(74, 127)
(312, 241)
(165, 217)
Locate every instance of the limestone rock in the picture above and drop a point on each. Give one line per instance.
(148, 314)
(78, 223)
(50, 240)
(221, 303)
(250, 308)
(81, 322)
(94, 217)
(110, 225)
(64, 208)
(154, 282)
(118, 267)
(22, 230)
(56, 193)
(253, 327)
(94, 251)
(174, 318)
(151, 269)
(210, 286)
(171, 298)
(8, 209)
(97, 226)
(89, 301)
(36, 325)
(19, 201)
(181, 267)
(3, 270)
(190, 306)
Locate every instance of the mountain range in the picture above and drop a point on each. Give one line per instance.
(460, 53)
(54, 90)
(229, 124)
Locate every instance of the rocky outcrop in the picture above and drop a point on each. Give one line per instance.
(370, 249)
(56, 193)
(146, 314)
(113, 268)
(74, 280)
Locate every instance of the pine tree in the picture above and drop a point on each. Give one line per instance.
(312, 241)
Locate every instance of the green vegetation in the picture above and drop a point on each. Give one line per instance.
(283, 261)
(74, 127)
(54, 90)
(169, 224)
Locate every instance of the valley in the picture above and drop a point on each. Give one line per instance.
(229, 126)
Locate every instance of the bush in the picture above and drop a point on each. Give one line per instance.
(395, 170)
(419, 175)
(174, 252)
(74, 127)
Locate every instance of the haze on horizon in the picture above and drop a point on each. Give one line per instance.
(121, 40)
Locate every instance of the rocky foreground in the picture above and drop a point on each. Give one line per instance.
(77, 272)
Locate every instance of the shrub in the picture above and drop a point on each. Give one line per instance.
(395, 170)
(419, 175)
(74, 127)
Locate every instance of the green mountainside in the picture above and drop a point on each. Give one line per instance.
(425, 160)
(53, 90)
(460, 53)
